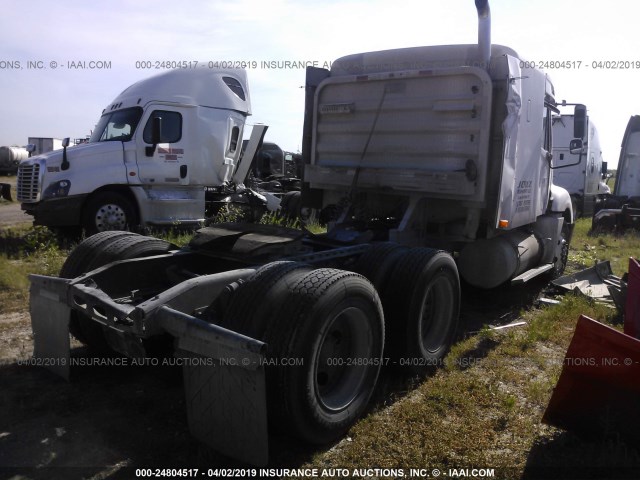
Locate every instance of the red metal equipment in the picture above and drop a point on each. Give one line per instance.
(599, 387)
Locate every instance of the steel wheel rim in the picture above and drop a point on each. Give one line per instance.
(343, 360)
(110, 217)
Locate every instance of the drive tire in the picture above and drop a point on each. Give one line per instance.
(377, 263)
(333, 324)
(97, 251)
(80, 257)
(422, 308)
(128, 247)
(106, 211)
(268, 285)
(78, 262)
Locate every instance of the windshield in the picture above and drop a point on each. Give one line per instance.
(118, 125)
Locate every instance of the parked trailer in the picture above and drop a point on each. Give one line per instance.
(579, 173)
(43, 145)
(421, 154)
(621, 210)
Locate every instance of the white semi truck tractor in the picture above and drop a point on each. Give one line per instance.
(432, 163)
(621, 210)
(156, 151)
(581, 171)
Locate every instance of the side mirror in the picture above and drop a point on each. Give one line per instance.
(575, 146)
(31, 148)
(604, 170)
(156, 135)
(65, 161)
(579, 121)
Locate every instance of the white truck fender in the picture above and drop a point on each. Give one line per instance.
(560, 201)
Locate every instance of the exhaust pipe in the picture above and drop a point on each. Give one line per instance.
(484, 32)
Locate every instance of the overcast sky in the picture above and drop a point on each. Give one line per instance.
(59, 102)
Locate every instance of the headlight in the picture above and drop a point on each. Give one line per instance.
(57, 189)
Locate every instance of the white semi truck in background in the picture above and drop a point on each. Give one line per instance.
(160, 151)
(435, 163)
(579, 172)
(621, 209)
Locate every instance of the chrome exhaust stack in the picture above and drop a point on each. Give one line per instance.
(484, 32)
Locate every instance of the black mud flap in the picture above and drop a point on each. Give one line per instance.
(5, 191)
(224, 384)
(50, 323)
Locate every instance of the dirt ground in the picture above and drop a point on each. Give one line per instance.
(10, 214)
(104, 423)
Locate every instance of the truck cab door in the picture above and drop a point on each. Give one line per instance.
(545, 173)
(524, 190)
(167, 163)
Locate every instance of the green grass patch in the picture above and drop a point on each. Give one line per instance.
(176, 236)
(25, 250)
(587, 248)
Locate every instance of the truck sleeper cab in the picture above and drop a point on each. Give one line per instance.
(124, 176)
(434, 150)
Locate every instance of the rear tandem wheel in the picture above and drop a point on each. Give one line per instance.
(422, 306)
(325, 334)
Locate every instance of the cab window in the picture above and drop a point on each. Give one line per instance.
(171, 127)
(116, 126)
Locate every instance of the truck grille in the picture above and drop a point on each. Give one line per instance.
(28, 179)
